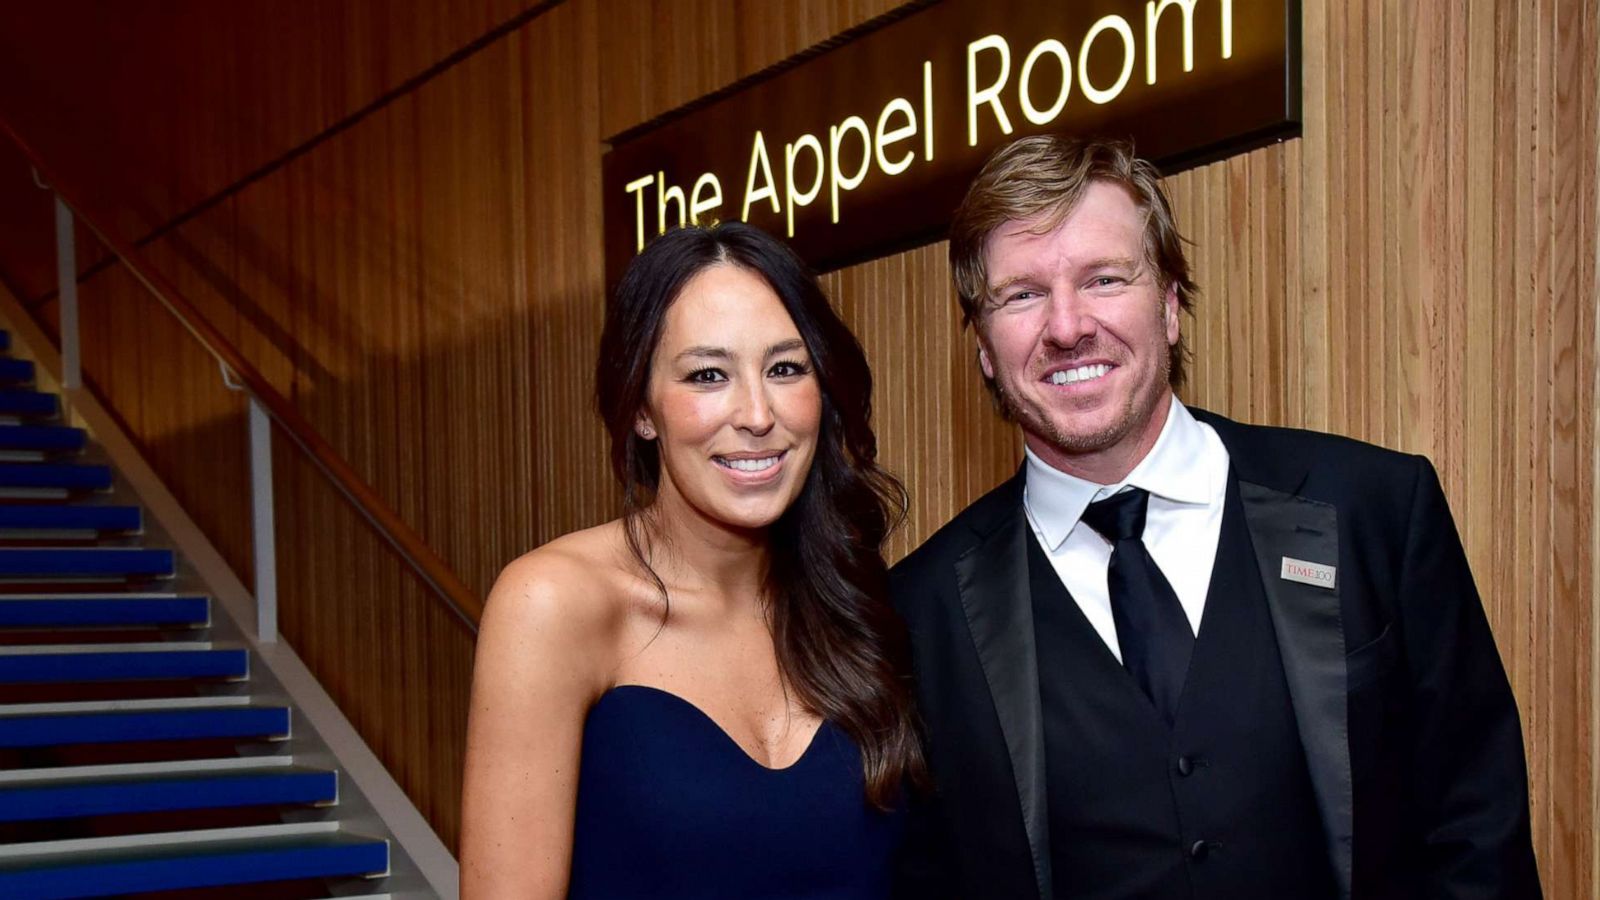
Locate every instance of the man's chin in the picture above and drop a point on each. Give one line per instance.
(1086, 442)
(1079, 436)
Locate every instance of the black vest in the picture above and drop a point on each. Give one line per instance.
(1219, 806)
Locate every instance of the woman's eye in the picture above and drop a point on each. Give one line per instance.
(788, 369)
(705, 376)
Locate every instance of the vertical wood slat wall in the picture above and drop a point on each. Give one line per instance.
(159, 106)
(1417, 270)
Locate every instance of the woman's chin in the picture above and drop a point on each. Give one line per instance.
(750, 516)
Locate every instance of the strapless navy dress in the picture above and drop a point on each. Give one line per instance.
(670, 807)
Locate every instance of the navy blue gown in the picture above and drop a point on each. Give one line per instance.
(670, 807)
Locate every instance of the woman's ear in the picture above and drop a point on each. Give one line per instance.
(644, 428)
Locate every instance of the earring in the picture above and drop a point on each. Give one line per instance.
(646, 432)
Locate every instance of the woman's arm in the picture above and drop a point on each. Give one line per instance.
(540, 663)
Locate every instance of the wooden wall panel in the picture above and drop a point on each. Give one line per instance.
(394, 660)
(1417, 270)
(184, 97)
(662, 54)
(937, 430)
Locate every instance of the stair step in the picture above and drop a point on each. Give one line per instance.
(85, 562)
(103, 610)
(33, 404)
(165, 719)
(70, 476)
(97, 867)
(51, 519)
(59, 438)
(58, 793)
(125, 753)
(16, 371)
(64, 663)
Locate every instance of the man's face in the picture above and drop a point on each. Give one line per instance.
(1077, 332)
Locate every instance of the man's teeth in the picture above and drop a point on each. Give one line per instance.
(749, 465)
(1082, 373)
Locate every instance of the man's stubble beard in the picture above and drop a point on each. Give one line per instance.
(1037, 419)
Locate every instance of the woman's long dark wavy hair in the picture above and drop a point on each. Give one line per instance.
(840, 646)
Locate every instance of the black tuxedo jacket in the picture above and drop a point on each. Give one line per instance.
(1407, 719)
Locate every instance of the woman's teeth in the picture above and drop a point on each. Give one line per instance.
(749, 465)
(1082, 373)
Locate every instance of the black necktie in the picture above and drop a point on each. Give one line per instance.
(1152, 630)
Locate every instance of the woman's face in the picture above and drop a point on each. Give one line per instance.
(734, 405)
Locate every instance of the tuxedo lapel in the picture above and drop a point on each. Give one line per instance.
(1308, 623)
(992, 578)
(1307, 619)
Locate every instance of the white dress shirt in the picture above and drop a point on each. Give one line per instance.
(1186, 473)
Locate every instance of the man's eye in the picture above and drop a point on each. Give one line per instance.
(705, 376)
(1019, 297)
(1107, 280)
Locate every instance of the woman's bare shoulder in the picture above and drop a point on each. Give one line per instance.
(568, 597)
(572, 565)
(546, 651)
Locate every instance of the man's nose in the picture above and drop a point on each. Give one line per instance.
(1070, 320)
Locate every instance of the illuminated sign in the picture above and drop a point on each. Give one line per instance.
(864, 146)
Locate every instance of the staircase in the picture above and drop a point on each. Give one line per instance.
(136, 754)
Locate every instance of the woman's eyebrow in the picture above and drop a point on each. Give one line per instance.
(705, 352)
(788, 346)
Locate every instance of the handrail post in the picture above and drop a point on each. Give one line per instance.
(266, 552)
(67, 277)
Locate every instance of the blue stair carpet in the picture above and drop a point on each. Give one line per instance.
(16, 371)
(72, 476)
(42, 437)
(138, 725)
(141, 662)
(152, 778)
(104, 873)
(85, 562)
(55, 517)
(28, 403)
(90, 611)
(165, 793)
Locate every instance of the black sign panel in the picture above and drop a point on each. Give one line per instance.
(865, 146)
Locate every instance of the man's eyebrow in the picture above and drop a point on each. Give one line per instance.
(1112, 262)
(1002, 284)
(705, 352)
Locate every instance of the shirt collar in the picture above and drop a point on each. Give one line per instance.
(1055, 501)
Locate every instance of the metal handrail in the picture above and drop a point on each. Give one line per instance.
(434, 572)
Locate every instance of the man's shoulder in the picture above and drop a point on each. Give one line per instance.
(968, 529)
(1271, 453)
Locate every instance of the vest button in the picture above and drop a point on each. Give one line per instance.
(1199, 850)
(1185, 766)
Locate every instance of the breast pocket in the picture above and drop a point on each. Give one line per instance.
(1371, 662)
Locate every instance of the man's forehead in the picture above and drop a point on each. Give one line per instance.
(1038, 225)
(1023, 250)
(1099, 227)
